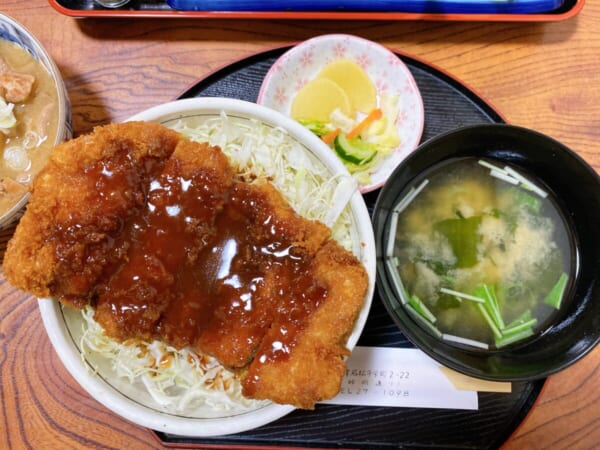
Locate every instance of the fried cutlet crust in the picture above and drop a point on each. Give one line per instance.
(305, 235)
(314, 367)
(233, 334)
(63, 242)
(163, 239)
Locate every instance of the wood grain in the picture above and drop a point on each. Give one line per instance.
(543, 76)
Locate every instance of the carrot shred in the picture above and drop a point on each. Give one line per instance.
(329, 137)
(374, 115)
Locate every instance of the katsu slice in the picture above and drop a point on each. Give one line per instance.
(301, 359)
(260, 245)
(277, 221)
(79, 203)
(165, 240)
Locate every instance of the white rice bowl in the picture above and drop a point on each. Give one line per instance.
(302, 161)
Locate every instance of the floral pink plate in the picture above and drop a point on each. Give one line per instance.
(389, 74)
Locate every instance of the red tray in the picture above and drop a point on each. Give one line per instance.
(155, 8)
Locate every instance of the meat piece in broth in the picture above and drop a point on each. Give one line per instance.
(16, 87)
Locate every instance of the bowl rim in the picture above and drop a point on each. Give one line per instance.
(64, 111)
(383, 272)
(109, 396)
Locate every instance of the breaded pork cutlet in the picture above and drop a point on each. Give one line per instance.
(165, 240)
(79, 203)
(301, 358)
(269, 238)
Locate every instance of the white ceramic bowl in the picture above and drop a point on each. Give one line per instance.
(131, 401)
(390, 75)
(13, 31)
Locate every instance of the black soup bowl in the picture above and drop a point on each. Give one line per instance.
(575, 187)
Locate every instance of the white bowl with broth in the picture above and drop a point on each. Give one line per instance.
(31, 125)
(487, 252)
(201, 411)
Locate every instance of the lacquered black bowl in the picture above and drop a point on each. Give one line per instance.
(576, 187)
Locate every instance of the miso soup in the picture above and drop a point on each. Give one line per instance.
(482, 252)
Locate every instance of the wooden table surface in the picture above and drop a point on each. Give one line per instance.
(540, 75)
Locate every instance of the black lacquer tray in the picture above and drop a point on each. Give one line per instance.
(448, 104)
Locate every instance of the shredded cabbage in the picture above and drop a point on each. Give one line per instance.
(178, 380)
(381, 135)
(182, 380)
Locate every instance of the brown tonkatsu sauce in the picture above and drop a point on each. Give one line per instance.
(166, 240)
(85, 240)
(210, 265)
(255, 279)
